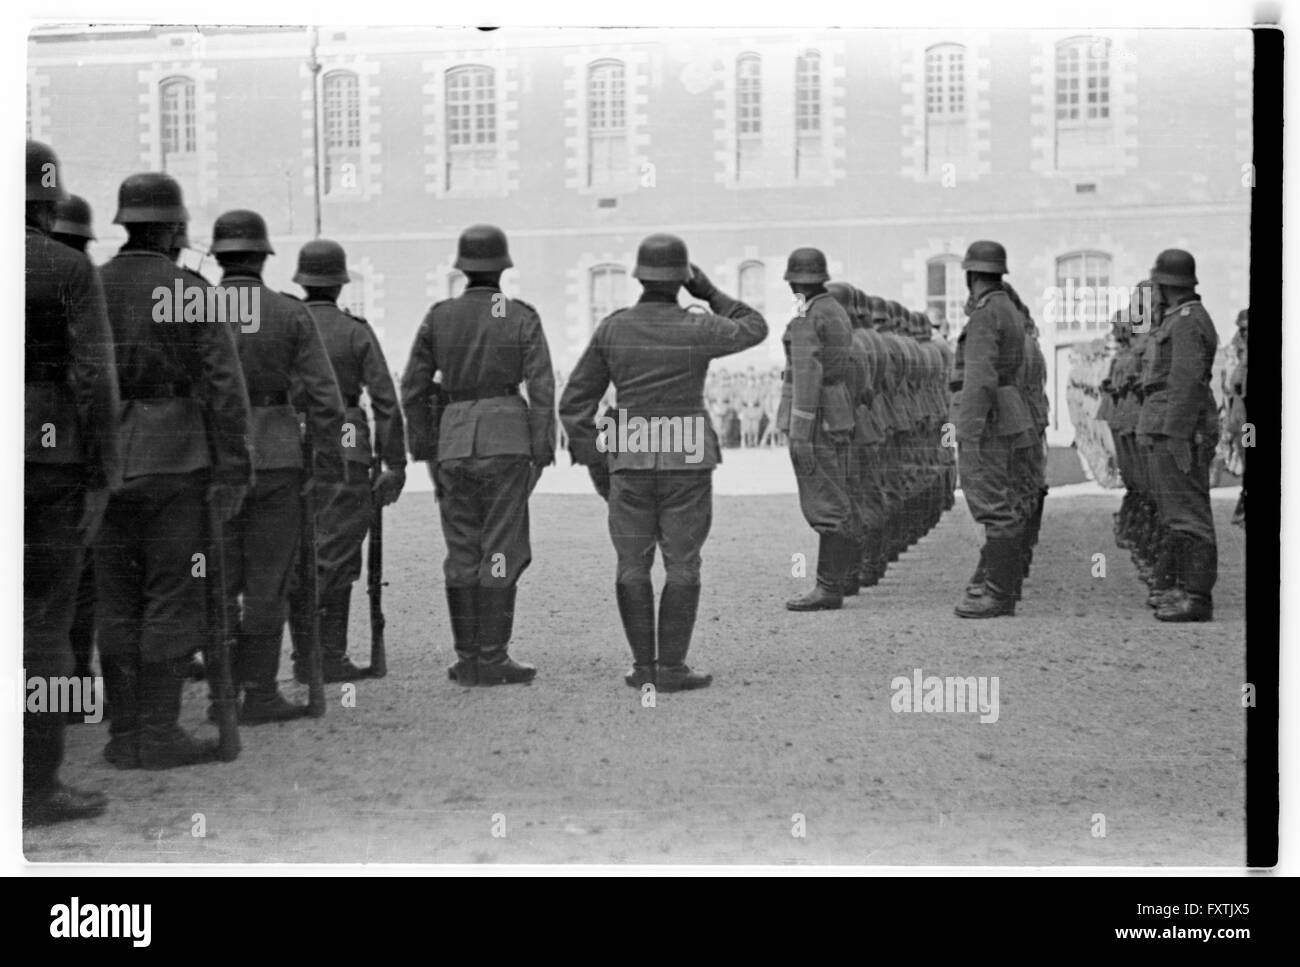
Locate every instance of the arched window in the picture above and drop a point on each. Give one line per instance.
(1083, 293)
(177, 120)
(1083, 115)
(749, 115)
(945, 104)
(808, 154)
(607, 144)
(945, 291)
(752, 284)
(471, 127)
(607, 291)
(341, 132)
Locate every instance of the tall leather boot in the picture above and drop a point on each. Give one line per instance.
(1121, 520)
(259, 664)
(462, 606)
(122, 694)
(1002, 561)
(163, 743)
(975, 586)
(496, 621)
(678, 605)
(1166, 570)
(636, 606)
(46, 800)
(336, 605)
(872, 568)
(299, 630)
(1199, 570)
(832, 562)
(852, 574)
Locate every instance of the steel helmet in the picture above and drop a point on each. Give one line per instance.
(662, 258)
(806, 265)
(44, 173)
(877, 310)
(1174, 267)
(150, 196)
(240, 230)
(482, 248)
(987, 257)
(842, 293)
(72, 216)
(322, 262)
(861, 309)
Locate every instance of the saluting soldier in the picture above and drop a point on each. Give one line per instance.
(818, 417)
(286, 369)
(70, 462)
(990, 415)
(486, 447)
(185, 429)
(656, 354)
(1180, 419)
(344, 510)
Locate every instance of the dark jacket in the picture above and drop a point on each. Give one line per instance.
(656, 354)
(1180, 358)
(184, 402)
(283, 358)
(70, 383)
(989, 354)
(358, 362)
(816, 395)
(487, 344)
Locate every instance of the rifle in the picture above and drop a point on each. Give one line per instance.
(310, 586)
(375, 582)
(216, 649)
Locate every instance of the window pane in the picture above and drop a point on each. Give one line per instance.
(342, 110)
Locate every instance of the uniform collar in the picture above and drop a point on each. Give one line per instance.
(482, 287)
(657, 297)
(240, 274)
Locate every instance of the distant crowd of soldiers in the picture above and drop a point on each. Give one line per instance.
(226, 474)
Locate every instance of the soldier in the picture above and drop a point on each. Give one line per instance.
(287, 370)
(989, 415)
(1152, 551)
(1237, 414)
(657, 355)
(71, 461)
(344, 510)
(947, 452)
(487, 448)
(1180, 418)
(72, 227)
(185, 427)
(1029, 471)
(874, 431)
(902, 417)
(817, 414)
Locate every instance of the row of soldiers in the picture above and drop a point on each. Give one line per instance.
(1165, 424)
(164, 429)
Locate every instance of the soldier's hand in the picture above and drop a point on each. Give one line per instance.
(1181, 451)
(388, 486)
(699, 285)
(803, 457)
(226, 499)
(600, 479)
(92, 514)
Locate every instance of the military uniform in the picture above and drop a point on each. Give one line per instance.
(872, 436)
(991, 418)
(70, 450)
(817, 415)
(487, 446)
(184, 426)
(657, 355)
(344, 510)
(1180, 420)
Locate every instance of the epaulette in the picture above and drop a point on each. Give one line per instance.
(989, 295)
(353, 316)
(526, 305)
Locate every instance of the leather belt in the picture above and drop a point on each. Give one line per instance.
(1155, 387)
(159, 391)
(482, 393)
(275, 398)
(955, 385)
(352, 400)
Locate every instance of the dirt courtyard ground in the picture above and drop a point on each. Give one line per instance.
(1108, 721)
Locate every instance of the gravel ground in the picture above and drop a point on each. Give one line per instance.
(1101, 710)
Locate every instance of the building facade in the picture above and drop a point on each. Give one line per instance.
(1085, 154)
